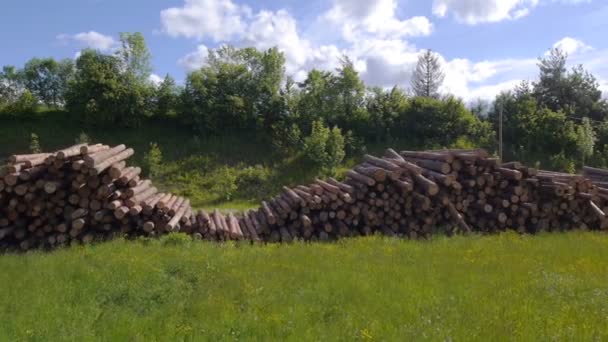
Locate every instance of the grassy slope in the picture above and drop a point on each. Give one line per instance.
(190, 163)
(502, 287)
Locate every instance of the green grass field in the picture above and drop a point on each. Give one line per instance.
(473, 288)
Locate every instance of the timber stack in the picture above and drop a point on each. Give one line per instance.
(88, 192)
(81, 193)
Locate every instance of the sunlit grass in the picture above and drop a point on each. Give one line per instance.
(473, 288)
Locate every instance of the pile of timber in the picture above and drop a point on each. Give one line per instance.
(87, 192)
(418, 194)
(81, 193)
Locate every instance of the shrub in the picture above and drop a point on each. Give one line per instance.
(287, 139)
(25, 104)
(83, 138)
(224, 185)
(562, 163)
(253, 181)
(35, 143)
(152, 160)
(324, 147)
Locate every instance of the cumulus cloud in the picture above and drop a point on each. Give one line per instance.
(155, 79)
(91, 39)
(382, 54)
(375, 17)
(269, 29)
(215, 19)
(195, 59)
(572, 46)
(474, 12)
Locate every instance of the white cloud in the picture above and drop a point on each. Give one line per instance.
(91, 39)
(382, 54)
(200, 19)
(375, 17)
(572, 46)
(195, 59)
(269, 29)
(155, 79)
(474, 12)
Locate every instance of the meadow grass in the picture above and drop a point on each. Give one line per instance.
(473, 288)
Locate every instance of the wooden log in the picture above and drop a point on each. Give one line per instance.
(141, 197)
(23, 158)
(71, 151)
(361, 178)
(117, 158)
(439, 156)
(101, 156)
(172, 225)
(268, 213)
(128, 175)
(141, 187)
(115, 170)
(90, 149)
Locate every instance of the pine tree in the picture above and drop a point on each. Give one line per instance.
(428, 75)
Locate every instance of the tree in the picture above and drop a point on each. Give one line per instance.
(167, 98)
(237, 88)
(428, 75)
(586, 139)
(384, 108)
(428, 122)
(135, 57)
(47, 79)
(575, 92)
(11, 84)
(113, 89)
(97, 89)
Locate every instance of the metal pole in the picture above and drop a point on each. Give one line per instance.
(500, 132)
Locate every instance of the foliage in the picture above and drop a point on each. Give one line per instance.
(153, 159)
(428, 75)
(11, 84)
(48, 79)
(83, 138)
(561, 162)
(25, 104)
(253, 181)
(35, 143)
(167, 98)
(324, 147)
(237, 89)
(585, 139)
(112, 89)
(225, 183)
(429, 122)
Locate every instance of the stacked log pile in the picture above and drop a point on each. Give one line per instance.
(87, 192)
(417, 194)
(81, 193)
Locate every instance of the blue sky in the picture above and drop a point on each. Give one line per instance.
(485, 45)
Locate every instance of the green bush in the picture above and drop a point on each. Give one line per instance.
(83, 138)
(324, 147)
(153, 160)
(563, 163)
(253, 181)
(25, 104)
(224, 185)
(35, 143)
